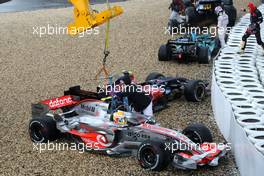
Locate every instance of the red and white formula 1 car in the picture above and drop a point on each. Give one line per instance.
(104, 128)
(162, 89)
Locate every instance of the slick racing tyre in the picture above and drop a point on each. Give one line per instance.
(154, 75)
(43, 129)
(198, 133)
(153, 156)
(163, 53)
(204, 55)
(195, 90)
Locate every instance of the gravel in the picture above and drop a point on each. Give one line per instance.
(34, 68)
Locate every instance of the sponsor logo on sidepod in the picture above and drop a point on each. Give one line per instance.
(59, 102)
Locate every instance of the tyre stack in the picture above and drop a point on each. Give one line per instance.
(240, 78)
(3, 1)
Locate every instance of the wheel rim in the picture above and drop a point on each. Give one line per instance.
(36, 132)
(200, 92)
(195, 137)
(149, 157)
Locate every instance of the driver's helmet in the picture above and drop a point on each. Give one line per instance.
(218, 9)
(127, 78)
(130, 75)
(119, 118)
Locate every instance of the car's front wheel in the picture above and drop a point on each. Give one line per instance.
(198, 133)
(152, 156)
(204, 55)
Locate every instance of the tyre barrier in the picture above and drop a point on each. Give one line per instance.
(238, 98)
(254, 129)
(260, 146)
(256, 138)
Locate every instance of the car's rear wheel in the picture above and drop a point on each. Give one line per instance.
(198, 133)
(163, 53)
(42, 130)
(152, 155)
(195, 90)
(154, 75)
(204, 55)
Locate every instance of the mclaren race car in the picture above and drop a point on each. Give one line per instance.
(104, 128)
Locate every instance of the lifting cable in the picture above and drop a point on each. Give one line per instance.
(106, 49)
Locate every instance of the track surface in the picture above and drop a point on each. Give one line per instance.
(34, 68)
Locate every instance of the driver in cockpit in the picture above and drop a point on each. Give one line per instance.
(138, 100)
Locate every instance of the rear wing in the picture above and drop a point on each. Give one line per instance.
(39, 110)
(71, 97)
(82, 94)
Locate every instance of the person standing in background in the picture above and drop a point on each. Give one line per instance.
(254, 28)
(222, 22)
(177, 6)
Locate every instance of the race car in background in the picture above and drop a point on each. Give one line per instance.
(190, 47)
(163, 89)
(200, 11)
(175, 88)
(104, 128)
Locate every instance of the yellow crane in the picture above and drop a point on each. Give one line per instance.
(85, 18)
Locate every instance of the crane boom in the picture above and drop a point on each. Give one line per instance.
(85, 18)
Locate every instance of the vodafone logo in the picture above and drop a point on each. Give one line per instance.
(59, 102)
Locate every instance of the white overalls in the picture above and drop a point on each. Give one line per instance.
(222, 27)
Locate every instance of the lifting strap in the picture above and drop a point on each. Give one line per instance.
(106, 49)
